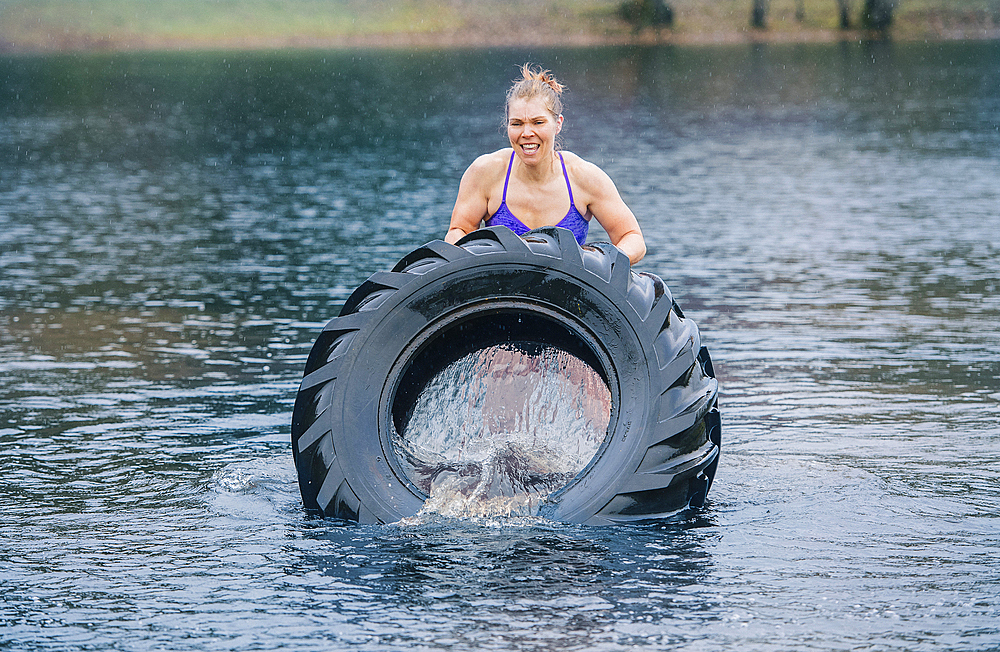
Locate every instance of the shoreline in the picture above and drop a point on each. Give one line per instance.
(71, 26)
(83, 44)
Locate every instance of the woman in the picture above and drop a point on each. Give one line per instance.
(530, 184)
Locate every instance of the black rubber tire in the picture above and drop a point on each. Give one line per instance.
(442, 301)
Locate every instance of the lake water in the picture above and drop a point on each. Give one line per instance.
(175, 230)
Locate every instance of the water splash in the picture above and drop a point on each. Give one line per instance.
(497, 431)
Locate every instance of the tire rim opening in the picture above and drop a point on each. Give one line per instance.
(497, 411)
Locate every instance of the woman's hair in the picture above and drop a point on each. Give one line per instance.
(536, 83)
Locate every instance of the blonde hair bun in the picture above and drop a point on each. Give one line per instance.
(537, 82)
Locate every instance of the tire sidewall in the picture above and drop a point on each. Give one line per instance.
(473, 285)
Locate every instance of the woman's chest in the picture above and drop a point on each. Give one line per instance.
(534, 205)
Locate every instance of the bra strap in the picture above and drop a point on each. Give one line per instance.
(507, 179)
(565, 176)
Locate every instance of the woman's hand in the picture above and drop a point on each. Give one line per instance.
(607, 206)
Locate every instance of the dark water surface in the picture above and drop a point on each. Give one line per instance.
(175, 230)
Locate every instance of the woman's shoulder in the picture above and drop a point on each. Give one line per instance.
(492, 162)
(487, 171)
(583, 171)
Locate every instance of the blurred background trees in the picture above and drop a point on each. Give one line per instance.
(875, 15)
(646, 13)
(62, 25)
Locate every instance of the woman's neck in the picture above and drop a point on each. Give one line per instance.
(541, 172)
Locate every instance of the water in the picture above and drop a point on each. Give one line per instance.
(501, 428)
(175, 229)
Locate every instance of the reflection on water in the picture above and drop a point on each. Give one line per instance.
(493, 586)
(175, 230)
(497, 431)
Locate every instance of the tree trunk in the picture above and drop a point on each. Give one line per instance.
(844, 8)
(877, 14)
(758, 15)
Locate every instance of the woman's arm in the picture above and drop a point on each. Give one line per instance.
(472, 204)
(609, 209)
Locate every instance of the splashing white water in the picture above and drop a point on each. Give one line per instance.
(497, 431)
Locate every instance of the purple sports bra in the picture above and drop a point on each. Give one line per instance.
(574, 220)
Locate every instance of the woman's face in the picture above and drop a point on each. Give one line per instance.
(532, 129)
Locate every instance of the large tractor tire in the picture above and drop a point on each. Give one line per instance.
(440, 302)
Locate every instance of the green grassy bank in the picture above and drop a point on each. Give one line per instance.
(54, 25)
